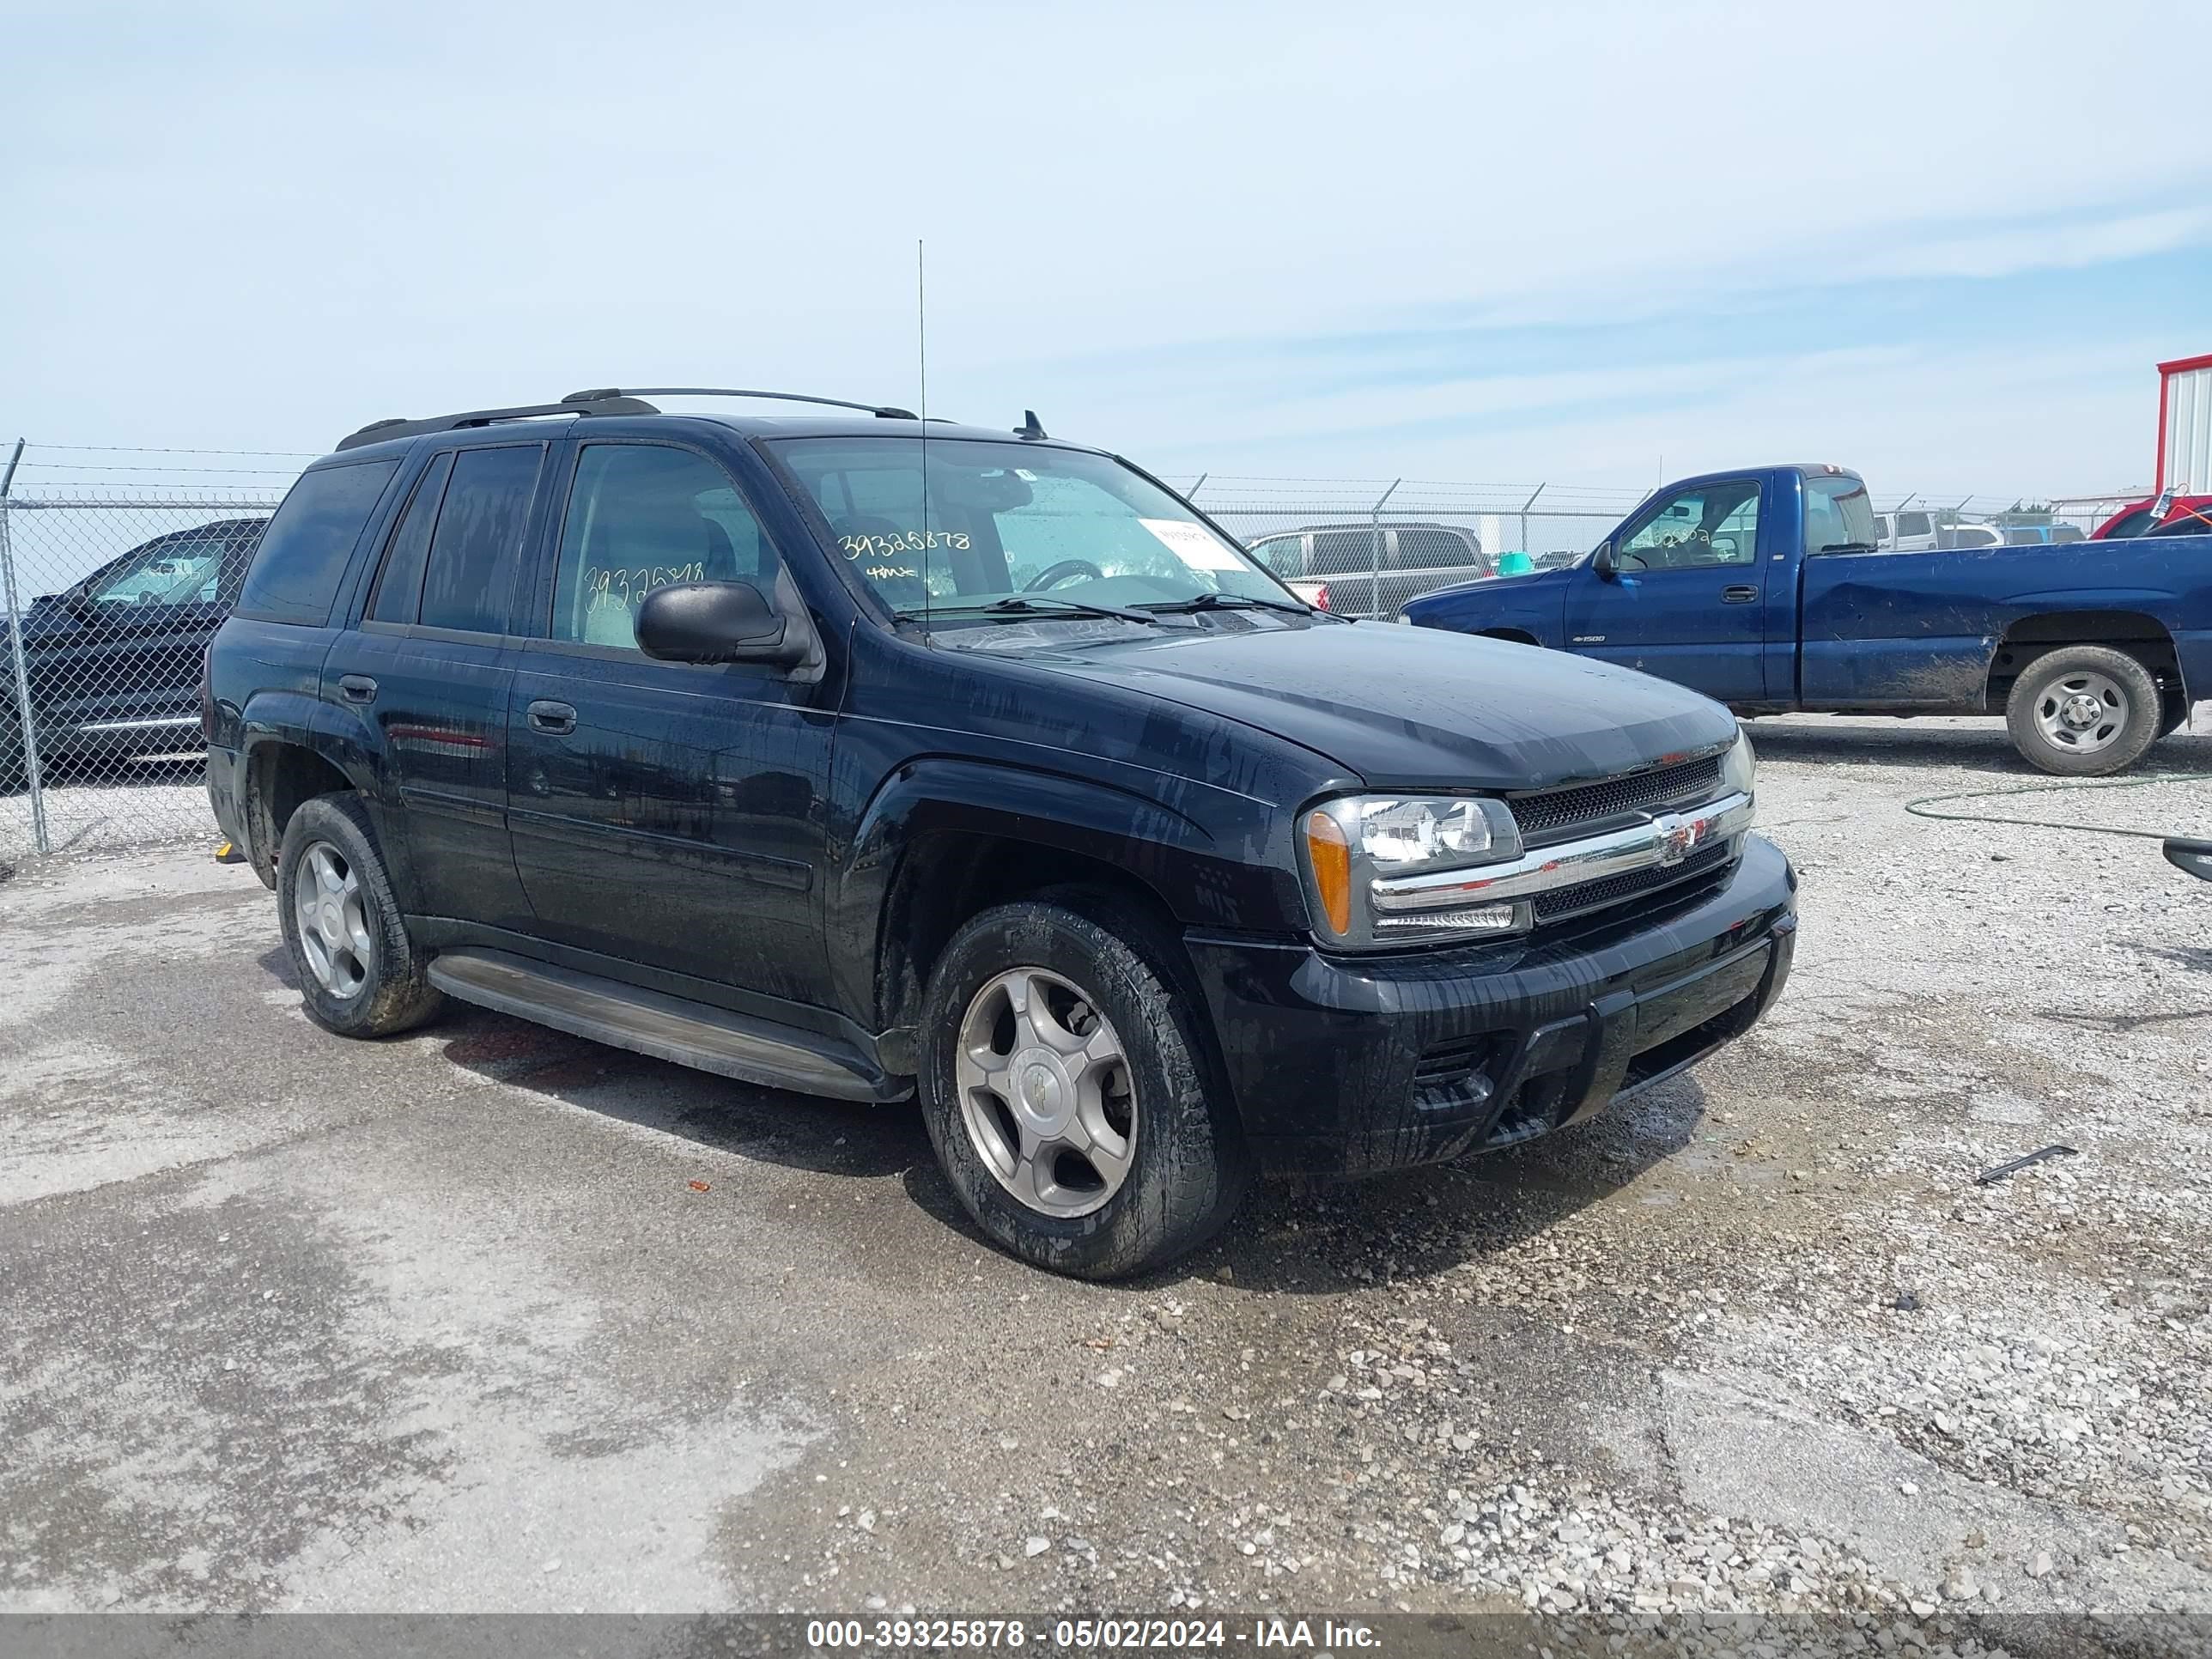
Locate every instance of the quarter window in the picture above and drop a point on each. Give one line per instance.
(643, 516)
(471, 571)
(309, 544)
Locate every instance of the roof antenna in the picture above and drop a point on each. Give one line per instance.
(921, 346)
(1028, 428)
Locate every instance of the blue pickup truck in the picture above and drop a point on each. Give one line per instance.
(1764, 589)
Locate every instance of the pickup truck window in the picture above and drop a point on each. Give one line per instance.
(643, 516)
(1284, 555)
(999, 519)
(1838, 516)
(470, 574)
(171, 573)
(1703, 525)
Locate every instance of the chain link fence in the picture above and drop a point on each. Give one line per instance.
(1375, 543)
(116, 568)
(119, 563)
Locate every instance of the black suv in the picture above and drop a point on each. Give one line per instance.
(113, 661)
(874, 757)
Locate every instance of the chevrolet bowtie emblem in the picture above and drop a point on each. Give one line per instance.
(1679, 837)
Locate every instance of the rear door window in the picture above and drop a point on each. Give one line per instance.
(1425, 548)
(398, 595)
(1340, 552)
(309, 544)
(468, 580)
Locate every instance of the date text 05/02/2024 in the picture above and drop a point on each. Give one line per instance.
(1088, 1635)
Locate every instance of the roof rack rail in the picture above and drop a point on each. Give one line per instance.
(881, 411)
(377, 432)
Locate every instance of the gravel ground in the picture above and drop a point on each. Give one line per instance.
(488, 1317)
(137, 803)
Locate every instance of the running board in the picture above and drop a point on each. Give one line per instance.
(667, 1028)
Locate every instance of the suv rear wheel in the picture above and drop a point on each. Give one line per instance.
(1066, 1092)
(360, 975)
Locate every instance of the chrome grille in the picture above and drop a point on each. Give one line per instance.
(1543, 816)
(1564, 901)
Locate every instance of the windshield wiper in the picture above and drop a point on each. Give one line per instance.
(1848, 547)
(1224, 602)
(1019, 606)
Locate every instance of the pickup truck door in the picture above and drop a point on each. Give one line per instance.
(664, 813)
(1686, 599)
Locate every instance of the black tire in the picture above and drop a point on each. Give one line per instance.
(2029, 710)
(1189, 1166)
(394, 994)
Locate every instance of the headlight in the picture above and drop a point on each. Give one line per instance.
(1353, 841)
(1738, 766)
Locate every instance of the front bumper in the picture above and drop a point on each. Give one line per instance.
(1347, 1066)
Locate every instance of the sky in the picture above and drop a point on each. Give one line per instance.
(1942, 244)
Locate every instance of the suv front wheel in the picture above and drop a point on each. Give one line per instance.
(1066, 1092)
(360, 975)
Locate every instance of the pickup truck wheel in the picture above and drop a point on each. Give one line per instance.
(2084, 711)
(360, 975)
(1066, 1094)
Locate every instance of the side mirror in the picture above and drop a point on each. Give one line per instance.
(1602, 562)
(2194, 856)
(717, 621)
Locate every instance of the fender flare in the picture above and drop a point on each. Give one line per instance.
(1161, 848)
(296, 720)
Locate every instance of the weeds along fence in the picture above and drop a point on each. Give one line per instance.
(117, 564)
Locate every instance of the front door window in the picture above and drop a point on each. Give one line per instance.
(1706, 525)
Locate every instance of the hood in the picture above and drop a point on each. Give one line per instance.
(1415, 707)
(1449, 601)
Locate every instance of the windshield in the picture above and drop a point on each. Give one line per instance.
(168, 572)
(1052, 528)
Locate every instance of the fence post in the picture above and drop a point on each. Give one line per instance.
(1191, 494)
(1375, 574)
(1525, 506)
(39, 838)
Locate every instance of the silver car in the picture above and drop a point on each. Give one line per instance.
(1356, 570)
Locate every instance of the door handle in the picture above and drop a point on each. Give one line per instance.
(557, 718)
(1738, 593)
(357, 688)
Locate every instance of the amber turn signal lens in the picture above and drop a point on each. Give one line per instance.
(1332, 866)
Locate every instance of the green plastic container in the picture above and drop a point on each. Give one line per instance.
(1513, 564)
